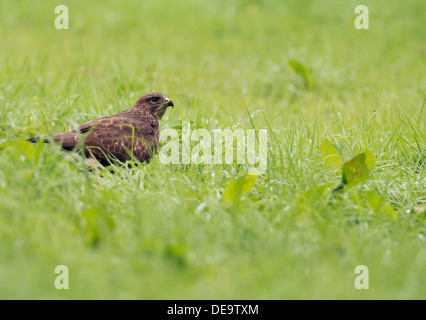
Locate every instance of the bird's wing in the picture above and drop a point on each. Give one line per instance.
(120, 136)
(68, 140)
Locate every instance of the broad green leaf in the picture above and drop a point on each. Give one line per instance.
(370, 160)
(329, 155)
(379, 205)
(238, 187)
(304, 72)
(357, 169)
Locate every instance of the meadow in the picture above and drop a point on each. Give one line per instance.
(324, 91)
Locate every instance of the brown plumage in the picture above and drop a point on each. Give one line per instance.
(134, 131)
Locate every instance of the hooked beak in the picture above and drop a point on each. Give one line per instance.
(161, 108)
(169, 103)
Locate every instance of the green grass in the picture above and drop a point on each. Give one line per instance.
(164, 231)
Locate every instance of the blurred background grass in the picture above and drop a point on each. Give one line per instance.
(163, 232)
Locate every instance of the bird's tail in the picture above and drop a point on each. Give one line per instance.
(37, 139)
(33, 140)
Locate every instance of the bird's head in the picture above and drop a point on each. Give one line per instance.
(155, 103)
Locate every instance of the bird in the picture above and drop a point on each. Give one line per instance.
(129, 134)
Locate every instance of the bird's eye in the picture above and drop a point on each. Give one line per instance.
(155, 99)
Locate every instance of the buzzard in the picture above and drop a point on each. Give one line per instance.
(131, 133)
